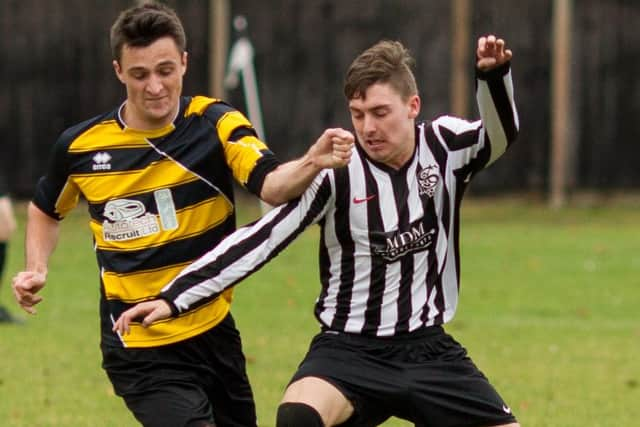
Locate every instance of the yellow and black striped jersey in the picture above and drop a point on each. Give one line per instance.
(157, 201)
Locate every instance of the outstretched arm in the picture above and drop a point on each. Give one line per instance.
(332, 150)
(41, 240)
(239, 255)
(495, 95)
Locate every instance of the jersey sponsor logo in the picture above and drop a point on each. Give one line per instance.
(166, 209)
(363, 200)
(126, 220)
(101, 162)
(391, 246)
(428, 179)
(118, 210)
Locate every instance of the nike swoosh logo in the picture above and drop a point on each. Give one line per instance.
(366, 199)
(506, 409)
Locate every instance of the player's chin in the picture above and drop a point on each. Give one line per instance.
(376, 151)
(162, 114)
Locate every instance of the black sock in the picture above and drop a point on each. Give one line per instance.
(295, 414)
(3, 255)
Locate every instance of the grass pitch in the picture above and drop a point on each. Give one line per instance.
(548, 310)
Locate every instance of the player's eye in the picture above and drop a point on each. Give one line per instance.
(165, 71)
(140, 75)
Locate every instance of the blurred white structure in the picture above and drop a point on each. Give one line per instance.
(240, 67)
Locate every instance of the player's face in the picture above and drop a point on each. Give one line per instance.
(384, 124)
(153, 78)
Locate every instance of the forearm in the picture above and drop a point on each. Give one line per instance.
(289, 180)
(332, 150)
(239, 255)
(41, 239)
(248, 249)
(497, 108)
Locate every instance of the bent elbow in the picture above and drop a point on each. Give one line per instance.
(273, 197)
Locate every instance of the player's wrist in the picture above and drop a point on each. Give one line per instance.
(170, 303)
(496, 71)
(312, 161)
(37, 268)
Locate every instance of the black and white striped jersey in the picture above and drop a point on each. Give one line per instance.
(389, 242)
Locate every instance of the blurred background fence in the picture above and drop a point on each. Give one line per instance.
(57, 71)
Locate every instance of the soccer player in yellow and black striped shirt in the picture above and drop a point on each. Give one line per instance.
(157, 173)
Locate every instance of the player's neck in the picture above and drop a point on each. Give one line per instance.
(134, 119)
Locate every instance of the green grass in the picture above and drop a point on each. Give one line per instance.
(548, 310)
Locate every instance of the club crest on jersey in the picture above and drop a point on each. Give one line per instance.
(101, 162)
(126, 220)
(428, 179)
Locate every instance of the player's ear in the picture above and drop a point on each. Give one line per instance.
(414, 106)
(118, 70)
(184, 61)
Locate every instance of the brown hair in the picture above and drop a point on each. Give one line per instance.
(143, 24)
(385, 62)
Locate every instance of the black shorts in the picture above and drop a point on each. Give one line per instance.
(194, 382)
(424, 377)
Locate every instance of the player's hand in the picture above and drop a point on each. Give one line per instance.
(333, 149)
(151, 311)
(491, 53)
(26, 286)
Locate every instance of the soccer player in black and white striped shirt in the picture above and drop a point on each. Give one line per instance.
(389, 255)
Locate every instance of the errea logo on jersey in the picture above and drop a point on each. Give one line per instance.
(101, 162)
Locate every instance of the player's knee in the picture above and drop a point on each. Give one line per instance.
(294, 414)
(202, 424)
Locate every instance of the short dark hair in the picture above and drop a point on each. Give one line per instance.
(385, 62)
(143, 24)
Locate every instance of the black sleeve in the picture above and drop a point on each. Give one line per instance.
(51, 186)
(263, 167)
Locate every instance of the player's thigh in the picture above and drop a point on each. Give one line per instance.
(7, 219)
(331, 404)
(456, 393)
(171, 405)
(208, 369)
